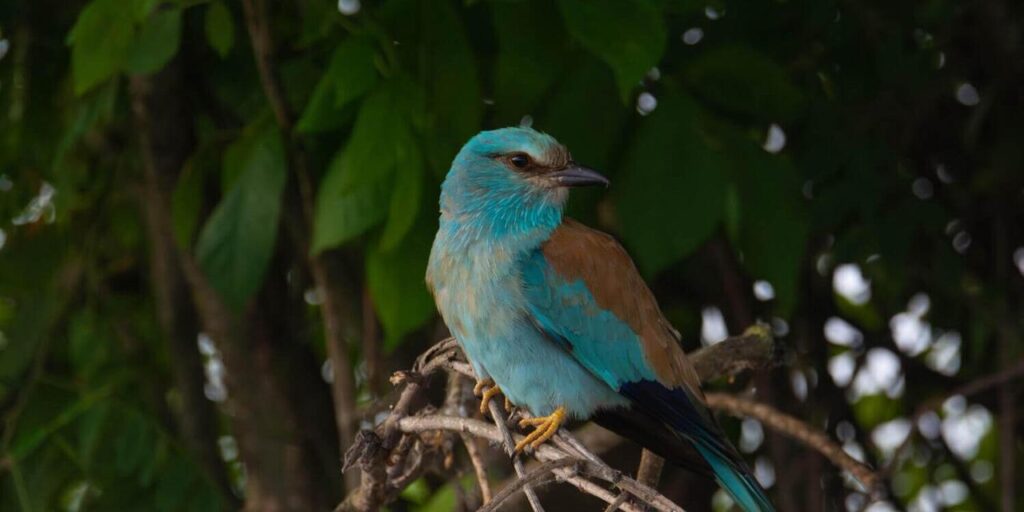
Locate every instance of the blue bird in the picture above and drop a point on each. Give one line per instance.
(555, 316)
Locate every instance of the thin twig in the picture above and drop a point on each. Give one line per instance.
(798, 430)
(417, 424)
(478, 467)
(509, 443)
(545, 473)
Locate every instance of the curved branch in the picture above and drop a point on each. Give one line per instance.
(796, 429)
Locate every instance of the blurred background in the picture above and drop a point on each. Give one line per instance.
(215, 217)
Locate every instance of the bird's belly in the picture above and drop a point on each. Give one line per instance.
(536, 374)
(531, 370)
(483, 308)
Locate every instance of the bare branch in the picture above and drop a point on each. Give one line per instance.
(334, 306)
(545, 473)
(615, 505)
(752, 350)
(649, 472)
(501, 423)
(478, 467)
(796, 429)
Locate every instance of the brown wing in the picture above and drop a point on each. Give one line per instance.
(577, 252)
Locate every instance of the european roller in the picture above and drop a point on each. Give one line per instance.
(555, 316)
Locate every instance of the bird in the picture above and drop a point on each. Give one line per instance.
(555, 316)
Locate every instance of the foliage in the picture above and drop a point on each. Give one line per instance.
(818, 165)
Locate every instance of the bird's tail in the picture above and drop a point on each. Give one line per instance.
(735, 478)
(684, 417)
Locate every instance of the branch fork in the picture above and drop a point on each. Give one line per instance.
(397, 451)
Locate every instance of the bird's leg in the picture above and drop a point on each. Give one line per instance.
(486, 389)
(545, 428)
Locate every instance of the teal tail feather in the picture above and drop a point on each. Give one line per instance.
(691, 423)
(738, 482)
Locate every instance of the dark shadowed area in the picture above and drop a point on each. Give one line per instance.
(215, 217)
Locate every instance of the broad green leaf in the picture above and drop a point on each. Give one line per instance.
(773, 220)
(395, 281)
(131, 439)
(142, 8)
(237, 242)
(671, 193)
(528, 61)
(344, 212)
(628, 35)
(381, 127)
(172, 489)
(588, 124)
(452, 85)
(155, 43)
(88, 349)
(743, 80)
(100, 42)
(220, 28)
(355, 191)
(350, 74)
(187, 198)
(405, 196)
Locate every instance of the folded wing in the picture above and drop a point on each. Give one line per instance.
(584, 292)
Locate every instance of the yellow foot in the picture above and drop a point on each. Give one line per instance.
(546, 427)
(486, 390)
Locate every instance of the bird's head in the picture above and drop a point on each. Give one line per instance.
(516, 173)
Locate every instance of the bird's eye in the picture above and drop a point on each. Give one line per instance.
(519, 160)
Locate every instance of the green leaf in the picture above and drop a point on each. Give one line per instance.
(671, 192)
(395, 281)
(100, 42)
(453, 87)
(405, 198)
(220, 28)
(528, 61)
(344, 212)
(589, 124)
(350, 74)
(773, 220)
(628, 35)
(130, 441)
(237, 242)
(156, 42)
(381, 129)
(354, 192)
(740, 79)
(187, 199)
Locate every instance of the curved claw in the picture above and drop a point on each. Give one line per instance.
(546, 427)
(481, 385)
(487, 396)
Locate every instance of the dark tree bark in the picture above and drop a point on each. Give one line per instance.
(163, 115)
(272, 383)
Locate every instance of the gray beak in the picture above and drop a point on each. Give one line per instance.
(577, 176)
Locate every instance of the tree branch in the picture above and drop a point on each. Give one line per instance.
(796, 429)
(343, 388)
(577, 465)
(539, 476)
